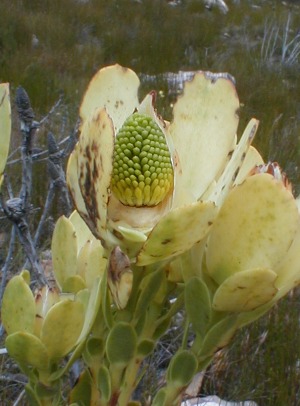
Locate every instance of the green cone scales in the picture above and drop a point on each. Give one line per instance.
(142, 171)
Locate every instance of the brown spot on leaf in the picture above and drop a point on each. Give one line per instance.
(88, 153)
(90, 194)
(118, 235)
(230, 153)
(235, 174)
(95, 173)
(94, 147)
(2, 100)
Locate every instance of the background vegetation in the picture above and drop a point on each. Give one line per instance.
(53, 47)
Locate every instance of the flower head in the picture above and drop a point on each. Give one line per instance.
(147, 185)
(142, 169)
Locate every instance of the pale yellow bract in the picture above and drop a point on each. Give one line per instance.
(253, 249)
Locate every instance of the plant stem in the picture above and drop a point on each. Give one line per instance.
(130, 381)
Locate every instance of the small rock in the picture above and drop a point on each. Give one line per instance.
(216, 401)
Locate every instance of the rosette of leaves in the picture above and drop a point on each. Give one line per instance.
(42, 329)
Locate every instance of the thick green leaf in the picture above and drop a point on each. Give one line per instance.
(182, 368)
(147, 290)
(64, 250)
(32, 396)
(18, 307)
(27, 349)
(62, 327)
(106, 305)
(74, 357)
(48, 392)
(245, 291)
(104, 383)
(218, 337)
(160, 398)
(161, 328)
(82, 392)
(94, 347)
(249, 317)
(73, 284)
(145, 347)
(198, 304)
(121, 344)
(177, 232)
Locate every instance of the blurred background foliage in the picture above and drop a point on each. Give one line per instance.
(52, 48)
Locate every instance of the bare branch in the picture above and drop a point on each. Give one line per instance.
(14, 211)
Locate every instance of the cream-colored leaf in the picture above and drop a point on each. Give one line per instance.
(203, 130)
(5, 125)
(289, 270)
(132, 234)
(114, 88)
(45, 299)
(254, 229)
(91, 310)
(245, 291)
(95, 164)
(252, 159)
(83, 232)
(73, 182)
(298, 203)
(91, 264)
(177, 231)
(64, 250)
(232, 169)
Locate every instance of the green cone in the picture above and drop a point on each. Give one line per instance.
(142, 171)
